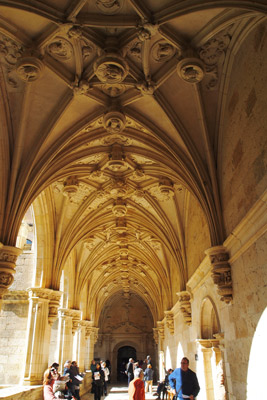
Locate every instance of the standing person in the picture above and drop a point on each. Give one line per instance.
(136, 388)
(130, 370)
(183, 381)
(98, 379)
(70, 385)
(76, 382)
(148, 377)
(106, 377)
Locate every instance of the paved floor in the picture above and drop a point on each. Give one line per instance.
(118, 392)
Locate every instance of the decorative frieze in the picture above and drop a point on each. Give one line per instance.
(191, 70)
(169, 321)
(16, 296)
(221, 272)
(8, 258)
(184, 299)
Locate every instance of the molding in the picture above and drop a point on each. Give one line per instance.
(249, 230)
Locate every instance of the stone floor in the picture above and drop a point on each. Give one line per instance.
(118, 392)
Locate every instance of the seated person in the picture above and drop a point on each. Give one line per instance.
(162, 386)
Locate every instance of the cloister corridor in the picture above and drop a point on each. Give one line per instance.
(133, 183)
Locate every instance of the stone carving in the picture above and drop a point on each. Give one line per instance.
(8, 258)
(146, 31)
(146, 88)
(70, 186)
(75, 32)
(10, 50)
(184, 299)
(221, 272)
(164, 191)
(119, 209)
(109, 6)
(135, 50)
(114, 122)
(55, 297)
(213, 54)
(161, 330)
(60, 49)
(113, 90)
(191, 70)
(156, 335)
(81, 88)
(16, 296)
(116, 161)
(162, 51)
(87, 51)
(169, 321)
(111, 68)
(29, 69)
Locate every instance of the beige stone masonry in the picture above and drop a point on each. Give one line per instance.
(184, 299)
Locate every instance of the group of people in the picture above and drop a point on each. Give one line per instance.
(182, 383)
(66, 386)
(101, 376)
(147, 369)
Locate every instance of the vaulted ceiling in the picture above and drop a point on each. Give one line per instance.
(112, 112)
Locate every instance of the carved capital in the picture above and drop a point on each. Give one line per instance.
(169, 321)
(54, 297)
(184, 299)
(8, 258)
(221, 272)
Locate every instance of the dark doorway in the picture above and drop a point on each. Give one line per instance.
(124, 353)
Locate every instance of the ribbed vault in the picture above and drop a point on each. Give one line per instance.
(112, 114)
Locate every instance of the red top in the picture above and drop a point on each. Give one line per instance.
(136, 389)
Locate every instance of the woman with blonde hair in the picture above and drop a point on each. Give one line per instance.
(49, 379)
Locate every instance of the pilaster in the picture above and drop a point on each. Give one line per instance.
(221, 272)
(38, 336)
(8, 258)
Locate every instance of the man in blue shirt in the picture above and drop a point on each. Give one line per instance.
(184, 381)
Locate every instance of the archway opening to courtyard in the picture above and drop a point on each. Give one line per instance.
(124, 354)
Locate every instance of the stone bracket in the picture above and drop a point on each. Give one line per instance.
(221, 272)
(184, 299)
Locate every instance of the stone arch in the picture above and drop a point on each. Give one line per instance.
(210, 323)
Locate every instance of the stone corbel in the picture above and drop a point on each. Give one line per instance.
(75, 315)
(8, 258)
(95, 332)
(161, 330)
(184, 299)
(221, 272)
(156, 335)
(169, 321)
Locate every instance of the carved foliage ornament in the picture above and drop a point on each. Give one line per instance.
(8, 258)
(184, 298)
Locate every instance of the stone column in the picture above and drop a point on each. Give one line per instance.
(82, 345)
(8, 258)
(68, 325)
(92, 335)
(38, 336)
(221, 272)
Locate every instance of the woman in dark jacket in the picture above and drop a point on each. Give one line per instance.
(98, 381)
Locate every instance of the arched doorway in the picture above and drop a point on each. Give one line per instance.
(124, 353)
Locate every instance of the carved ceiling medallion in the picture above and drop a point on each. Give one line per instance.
(29, 69)
(191, 70)
(111, 68)
(114, 122)
(162, 51)
(60, 49)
